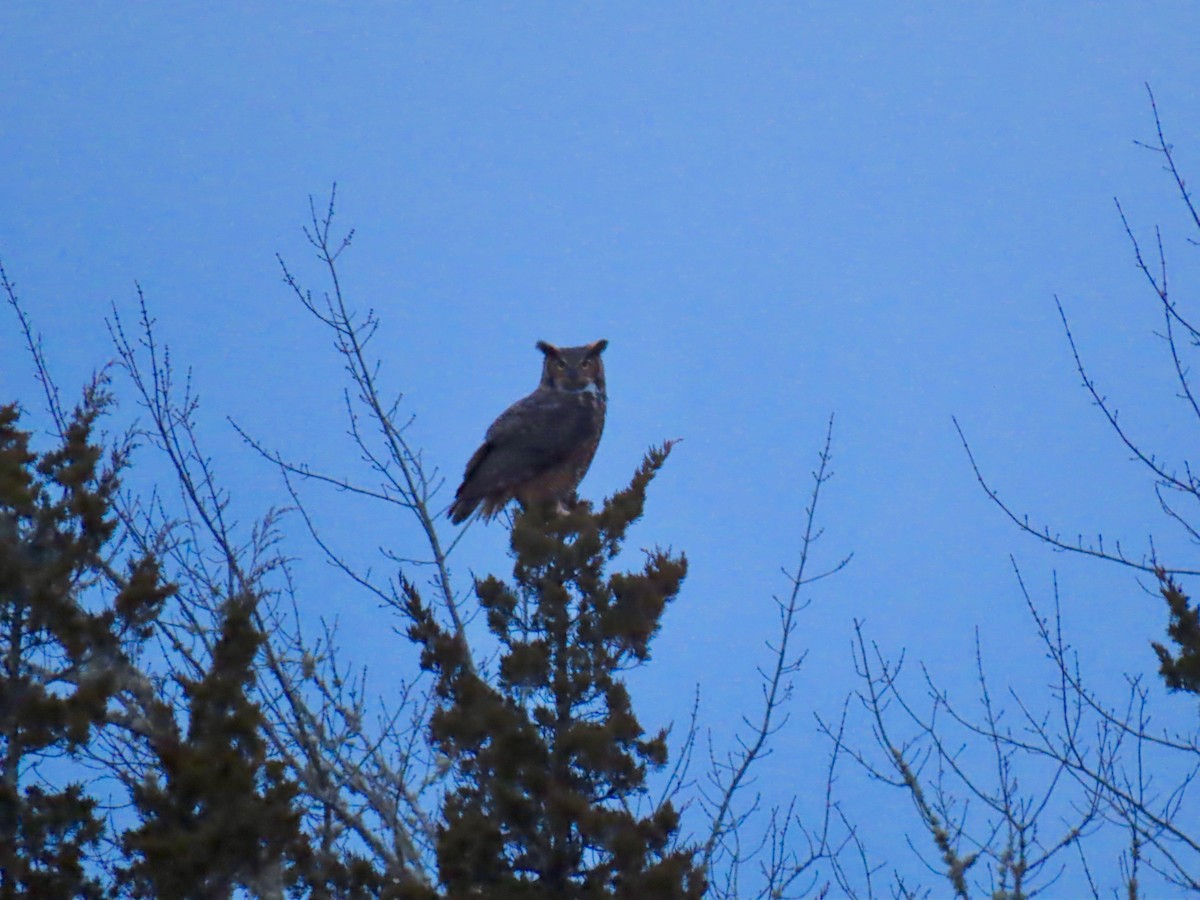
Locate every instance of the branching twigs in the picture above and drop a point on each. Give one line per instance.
(369, 781)
(969, 818)
(1166, 479)
(1102, 751)
(1100, 747)
(906, 761)
(366, 777)
(786, 866)
(399, 465)
(1161, 146)
(1122, 789)
(33, 343)
(1044, 534)
(677, 780)
(725, 844)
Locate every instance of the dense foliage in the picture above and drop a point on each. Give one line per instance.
(550, 759)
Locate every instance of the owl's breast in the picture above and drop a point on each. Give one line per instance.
(590, 399)
(596, 404)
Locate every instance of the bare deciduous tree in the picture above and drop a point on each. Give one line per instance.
(1069, 768)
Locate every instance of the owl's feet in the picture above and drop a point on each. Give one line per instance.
(557, 507)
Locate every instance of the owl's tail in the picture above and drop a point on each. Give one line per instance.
(461, 509)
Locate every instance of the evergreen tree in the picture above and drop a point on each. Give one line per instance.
(62, 644)
(222, 816)
(338, 873)
(1180, 670)
(549, 757)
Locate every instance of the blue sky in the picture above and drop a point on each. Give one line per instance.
(774, 212)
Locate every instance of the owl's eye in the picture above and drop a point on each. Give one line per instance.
(587, 364)
(561, 364)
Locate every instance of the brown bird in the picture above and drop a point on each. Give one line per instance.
(540, 448)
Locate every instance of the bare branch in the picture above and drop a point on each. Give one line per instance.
(729, 776)
(33, 344)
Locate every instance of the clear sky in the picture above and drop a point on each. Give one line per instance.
(773, 212)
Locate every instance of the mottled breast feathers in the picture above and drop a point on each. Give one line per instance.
(539, 449)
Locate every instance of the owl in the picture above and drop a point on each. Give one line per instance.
(540, 448)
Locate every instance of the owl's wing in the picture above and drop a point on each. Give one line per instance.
(529, 437)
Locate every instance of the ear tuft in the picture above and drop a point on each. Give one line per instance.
(597, 348)
(547, 348)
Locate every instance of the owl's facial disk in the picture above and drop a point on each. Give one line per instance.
(573, 375)
(575, 369)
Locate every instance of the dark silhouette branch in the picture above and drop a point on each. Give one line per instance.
(730, 776)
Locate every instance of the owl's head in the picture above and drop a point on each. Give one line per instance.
(573, 368)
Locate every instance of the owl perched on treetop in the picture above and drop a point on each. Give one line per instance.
(540, 448)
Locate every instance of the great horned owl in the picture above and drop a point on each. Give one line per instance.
(540, 448)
